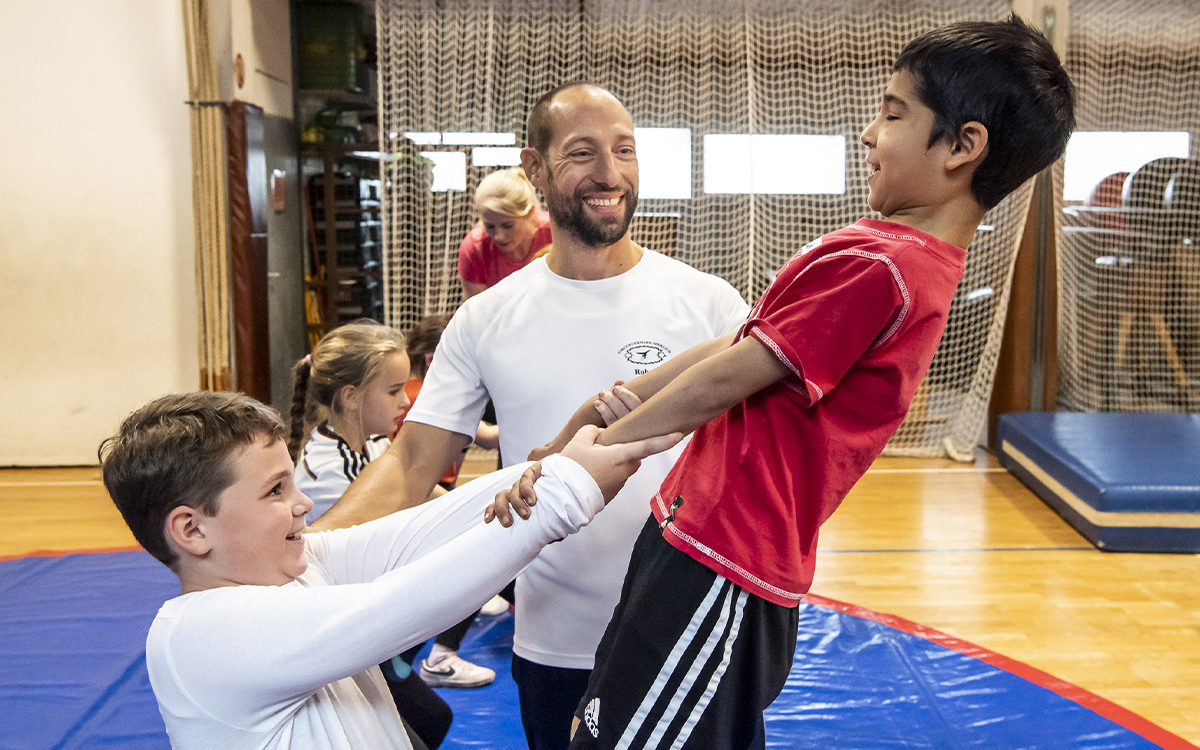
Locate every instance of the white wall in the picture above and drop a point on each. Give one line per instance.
(97, 292)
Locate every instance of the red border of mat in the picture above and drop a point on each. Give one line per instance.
(1111, 711)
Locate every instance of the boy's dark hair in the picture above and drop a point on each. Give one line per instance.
(177, 450)
(423, 339)
(540, 128)
(1006, 76)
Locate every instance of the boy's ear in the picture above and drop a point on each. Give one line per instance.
(531, 162)
(970, 147)
(185, 530)
(428, 360)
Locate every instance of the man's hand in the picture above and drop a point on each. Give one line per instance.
(609, 405)
(615, 402)
(609, 465)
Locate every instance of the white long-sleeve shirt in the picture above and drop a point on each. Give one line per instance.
(294, 666)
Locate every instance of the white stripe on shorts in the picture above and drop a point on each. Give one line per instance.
(689, 679)
(715, 681)
(664, 674)
(672, 665)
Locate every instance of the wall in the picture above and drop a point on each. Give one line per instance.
(285, 262)
(261, 33)
(1037, 12)
(97, 292)
(97, 283)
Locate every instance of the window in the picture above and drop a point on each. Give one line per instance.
(423, 139)
(664, 162)
(479, 139)
(460, 139)
(449, 170)
(775, 164)
(496, 156)
(1093, 155)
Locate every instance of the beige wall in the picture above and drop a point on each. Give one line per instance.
(97, 298)
(260, 33)
(97, 287)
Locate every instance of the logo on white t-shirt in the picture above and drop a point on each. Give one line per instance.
(591, 717)
(645, 354)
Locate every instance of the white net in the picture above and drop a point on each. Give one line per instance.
(715, 67)
(1129, 261)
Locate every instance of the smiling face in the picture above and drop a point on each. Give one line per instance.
(904, 171)
(256, 537)
(511, 235)
(384, 401)
(590, 170)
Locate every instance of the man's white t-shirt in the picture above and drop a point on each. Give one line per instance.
(294, 666)
(538, 344)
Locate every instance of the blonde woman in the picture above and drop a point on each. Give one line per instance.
(511, 232)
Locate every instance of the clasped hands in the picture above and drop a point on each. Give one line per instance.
(609, 465)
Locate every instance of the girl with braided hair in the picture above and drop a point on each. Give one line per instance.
(349, 398)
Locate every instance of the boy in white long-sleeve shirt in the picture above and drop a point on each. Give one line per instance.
(274, 639)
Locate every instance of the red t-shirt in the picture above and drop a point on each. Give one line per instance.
(856, 316)
(479, 261)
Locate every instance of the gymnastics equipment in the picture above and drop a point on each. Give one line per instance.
(1126, 482)
(1129, 273)
(210, 202)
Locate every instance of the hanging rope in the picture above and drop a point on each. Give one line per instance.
(209, 200)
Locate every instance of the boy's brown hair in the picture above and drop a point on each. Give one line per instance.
(177, 450)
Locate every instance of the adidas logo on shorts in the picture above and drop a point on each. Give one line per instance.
(591, 717)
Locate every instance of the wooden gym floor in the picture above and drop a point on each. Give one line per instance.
(963, 549)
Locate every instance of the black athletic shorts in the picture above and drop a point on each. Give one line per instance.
(689, 660)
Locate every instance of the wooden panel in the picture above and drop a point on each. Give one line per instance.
(246, 165)
(1011, 390)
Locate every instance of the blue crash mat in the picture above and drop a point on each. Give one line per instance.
(73, 651)
(73, 675)
(1126, 482)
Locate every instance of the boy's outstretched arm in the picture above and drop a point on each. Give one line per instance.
(644, 386)
(710, 387)
(701, 392)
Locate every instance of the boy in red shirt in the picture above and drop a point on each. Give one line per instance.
(794, 407)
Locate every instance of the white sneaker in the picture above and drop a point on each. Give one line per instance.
(453, 672)
(497, 605)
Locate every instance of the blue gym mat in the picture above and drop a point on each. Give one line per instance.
(1126, 482)
(73, 676)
